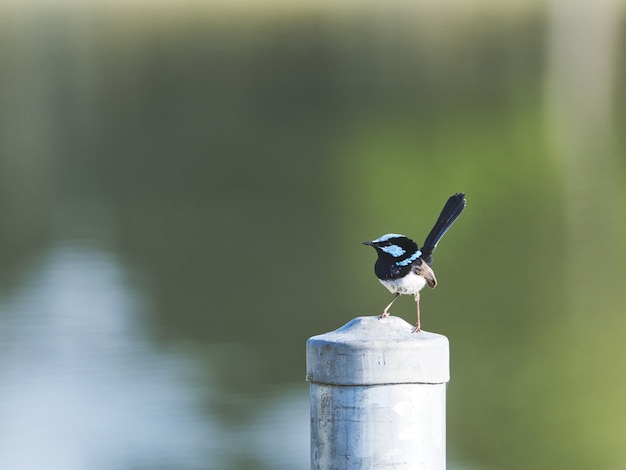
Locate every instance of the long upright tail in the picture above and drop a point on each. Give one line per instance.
(450, 212)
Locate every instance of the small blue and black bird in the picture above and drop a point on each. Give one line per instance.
(404, 268)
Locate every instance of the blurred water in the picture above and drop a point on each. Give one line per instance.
(82, 387)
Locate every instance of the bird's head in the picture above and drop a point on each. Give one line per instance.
(397, 248)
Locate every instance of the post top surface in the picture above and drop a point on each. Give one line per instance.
(371, 350)
(372, 329)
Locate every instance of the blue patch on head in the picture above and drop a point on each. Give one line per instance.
(393, 250)
(410, 259)
(384, 238)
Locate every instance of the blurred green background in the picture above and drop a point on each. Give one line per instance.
(184, 187)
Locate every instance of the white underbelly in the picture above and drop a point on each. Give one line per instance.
(410, 284)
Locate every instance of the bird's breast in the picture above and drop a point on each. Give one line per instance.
(412, 283)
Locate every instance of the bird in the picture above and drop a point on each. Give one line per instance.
(402, 267)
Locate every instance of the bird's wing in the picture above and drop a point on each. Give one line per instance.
(427, 273)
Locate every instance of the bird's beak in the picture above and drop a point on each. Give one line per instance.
(368, 243)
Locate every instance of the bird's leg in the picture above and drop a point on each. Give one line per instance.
(417, 328)
(385, 313)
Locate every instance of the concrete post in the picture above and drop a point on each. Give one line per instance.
(378, 397)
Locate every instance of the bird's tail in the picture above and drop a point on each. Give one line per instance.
(450, 212)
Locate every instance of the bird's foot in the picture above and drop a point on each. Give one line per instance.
(385, 314)
(417, 329)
